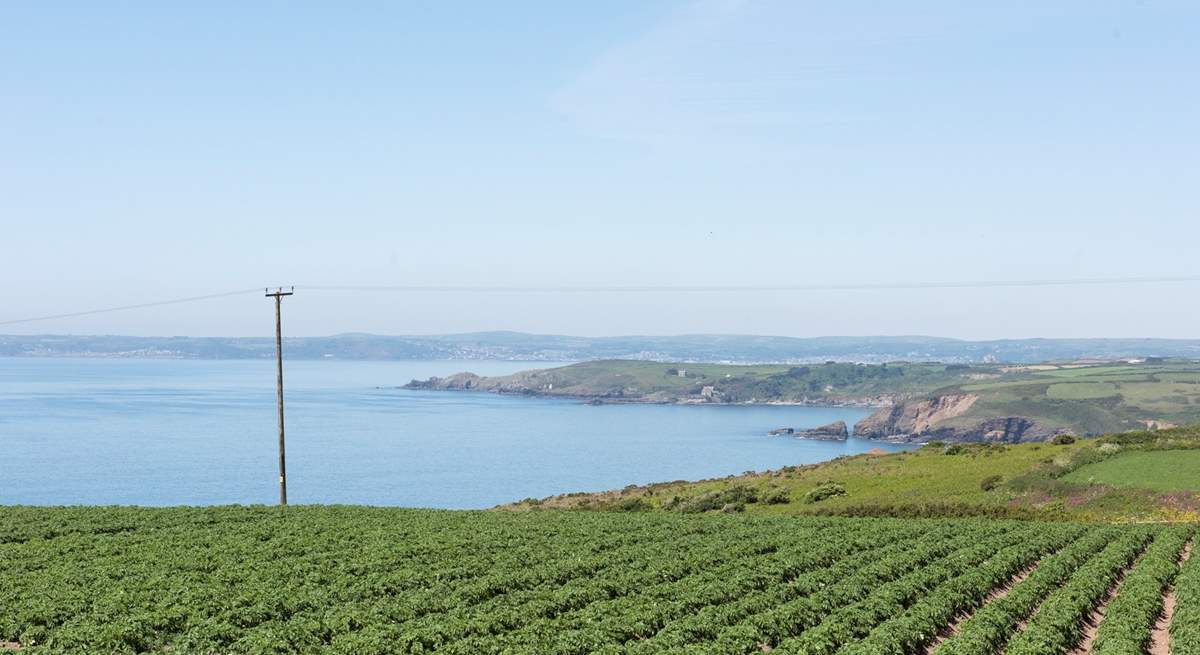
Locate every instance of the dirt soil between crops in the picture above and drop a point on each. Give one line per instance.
(1160, 636)
(1091, 625)
(995, 595)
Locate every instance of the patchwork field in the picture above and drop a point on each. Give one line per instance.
(369, 580)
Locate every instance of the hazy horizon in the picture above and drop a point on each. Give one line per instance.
(595, 336)
(164, 151)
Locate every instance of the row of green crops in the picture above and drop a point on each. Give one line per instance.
(374, 580)
(1059, 622)
(989, 628)
(1128, 619)
(1185, 628)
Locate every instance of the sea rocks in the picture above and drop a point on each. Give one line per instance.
(835, 431)
(456, 382)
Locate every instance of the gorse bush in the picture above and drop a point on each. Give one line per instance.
(776, 497)
(736, 495)
(632, 505)
(823, 491)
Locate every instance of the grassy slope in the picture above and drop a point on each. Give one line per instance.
(1164, 470)
(1034, 480)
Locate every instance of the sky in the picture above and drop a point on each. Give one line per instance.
(152, 151)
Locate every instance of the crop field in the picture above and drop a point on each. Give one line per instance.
(371, 580)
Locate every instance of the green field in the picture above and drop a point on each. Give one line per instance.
(1161, 470)
(259, 580)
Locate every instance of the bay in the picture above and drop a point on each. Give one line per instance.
(200, 432)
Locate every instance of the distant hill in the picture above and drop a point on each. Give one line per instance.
(537, 347)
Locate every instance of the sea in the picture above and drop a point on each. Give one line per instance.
(107, 431)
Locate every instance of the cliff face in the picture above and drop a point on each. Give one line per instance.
(927, 420)
(914, 416)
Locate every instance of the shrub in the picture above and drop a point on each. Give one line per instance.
(1063, 440)
(935, 444)
(823, 491)
(955, 449)
(777, 497)
(990, 482)
(733, 508)
(735, 495)
(942, 510)
(631, 505)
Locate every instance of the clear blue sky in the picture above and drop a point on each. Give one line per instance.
(157, 150)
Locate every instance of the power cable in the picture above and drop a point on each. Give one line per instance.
(876, 286)
(746, 288)
(159, 303)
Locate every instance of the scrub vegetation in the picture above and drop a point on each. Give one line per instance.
(1125, 477)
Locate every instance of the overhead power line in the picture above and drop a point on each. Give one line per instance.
(122, 308)
(852, 286)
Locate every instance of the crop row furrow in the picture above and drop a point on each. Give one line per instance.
(707, 623)
(920, 623)
(853, 621)
(517, 609)
(990, 627)
(640, 607)
(1185, 624)
(1058, 623)
(1131, 614)
(797, 615)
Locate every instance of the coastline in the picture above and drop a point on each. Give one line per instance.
(590, 399)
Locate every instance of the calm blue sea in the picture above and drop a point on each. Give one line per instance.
(181, 432)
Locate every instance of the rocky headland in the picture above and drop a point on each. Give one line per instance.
(912, 403)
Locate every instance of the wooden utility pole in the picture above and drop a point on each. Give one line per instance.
(278, 295)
